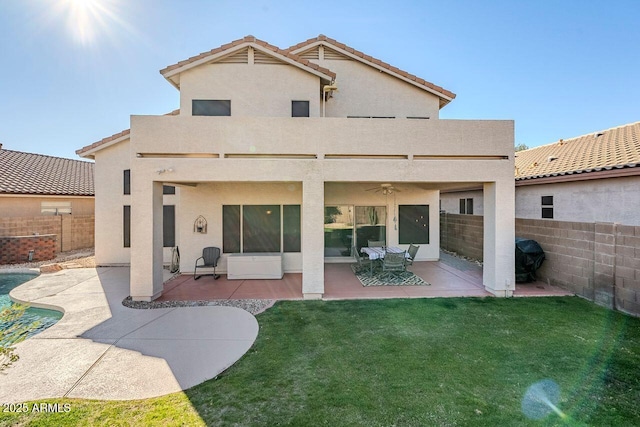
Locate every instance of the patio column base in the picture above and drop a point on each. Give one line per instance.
(146, 298)
(312, 296)
(500, 293)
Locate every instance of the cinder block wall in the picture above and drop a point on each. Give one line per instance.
(15, 250)
(463, 234)
(73, 231)
(598, 261)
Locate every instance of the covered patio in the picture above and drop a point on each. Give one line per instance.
(448, 277)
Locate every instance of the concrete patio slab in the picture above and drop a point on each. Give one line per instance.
(103, 350)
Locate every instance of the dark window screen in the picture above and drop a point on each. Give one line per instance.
(413, 224)
(231, 229)
(126, 226)
(261, 228)
(462, 206)
(127, 181)
(210, 107)
(470, 206)
(299, 108)
(168, 189)
(547, 213)
(168, 226)
(291, 225)
(547, 200)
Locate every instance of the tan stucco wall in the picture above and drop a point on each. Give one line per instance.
(28, 205)
(602, 200)
(259, 90)
(365, 91)
(110, 200)
(338, 193)
(450, 202)
(207, 200)
(320, 137)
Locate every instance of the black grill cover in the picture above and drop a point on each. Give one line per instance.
(529, 258)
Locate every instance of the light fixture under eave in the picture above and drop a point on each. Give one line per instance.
(384, 189)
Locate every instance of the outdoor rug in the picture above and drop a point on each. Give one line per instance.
(406, 278)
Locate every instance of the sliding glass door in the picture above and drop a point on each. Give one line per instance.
(370, 225)
(347, 225)
(338, 231)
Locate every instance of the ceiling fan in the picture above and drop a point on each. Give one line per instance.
(384, 189)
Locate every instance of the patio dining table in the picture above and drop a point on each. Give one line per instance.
(377, 253)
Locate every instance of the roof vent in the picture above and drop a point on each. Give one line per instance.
(561, 141)
(552, 158)
(599, 134)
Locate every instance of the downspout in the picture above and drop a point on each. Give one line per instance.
(325, 90)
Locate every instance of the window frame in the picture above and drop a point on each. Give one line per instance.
(546, 205)
(126, 182)
(404, 218)
(299, 103)
(204, 107)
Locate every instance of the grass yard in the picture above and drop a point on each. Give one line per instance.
(422, 362)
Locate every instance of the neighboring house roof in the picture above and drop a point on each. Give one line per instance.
(227, 49)
(26, 173)
(444, 95)
(607, 150)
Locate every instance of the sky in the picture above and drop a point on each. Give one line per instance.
(73, 71)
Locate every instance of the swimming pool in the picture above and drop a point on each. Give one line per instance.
(43, 318)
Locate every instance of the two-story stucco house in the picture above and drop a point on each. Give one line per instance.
(303, 152)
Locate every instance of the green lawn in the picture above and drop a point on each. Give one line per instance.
(406, 362)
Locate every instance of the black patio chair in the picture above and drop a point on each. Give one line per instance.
(413, 250)
(210, 257)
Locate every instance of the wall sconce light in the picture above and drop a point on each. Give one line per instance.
(161, 171)
(200, 225)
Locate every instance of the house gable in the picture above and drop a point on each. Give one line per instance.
(254, 49)
(323, 48)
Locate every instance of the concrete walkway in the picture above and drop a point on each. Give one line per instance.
(103, 350)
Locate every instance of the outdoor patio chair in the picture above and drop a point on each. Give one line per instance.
(375, 243)
(413, 250)
(362, 264)
(392, 264)
(210, 257)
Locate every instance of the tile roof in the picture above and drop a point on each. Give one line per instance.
(614, 148)
(26, 173)
(250, 39)
(367, 58)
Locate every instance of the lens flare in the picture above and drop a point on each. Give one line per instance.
(87, 21)
(541, 399)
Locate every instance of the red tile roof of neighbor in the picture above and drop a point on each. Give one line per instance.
(26, 173)
(614, 148)
(367, 58)
(249, 39)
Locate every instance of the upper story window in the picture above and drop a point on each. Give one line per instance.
(210, 107)
(299, 108)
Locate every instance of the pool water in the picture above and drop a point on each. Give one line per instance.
(39, 318)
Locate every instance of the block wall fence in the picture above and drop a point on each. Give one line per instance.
(69, 232)
(598, 261)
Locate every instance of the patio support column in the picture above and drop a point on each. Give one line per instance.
(313, 238)
(146, 240)
(499, 238)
